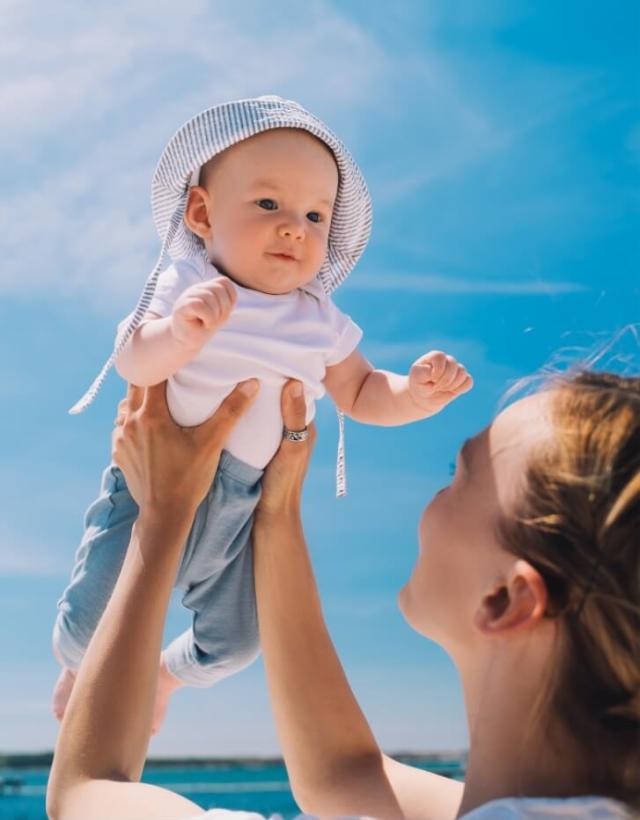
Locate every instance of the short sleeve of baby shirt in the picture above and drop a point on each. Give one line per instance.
(347, 334)
(172, 282)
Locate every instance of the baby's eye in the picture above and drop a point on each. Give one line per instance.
(452, 468)
(314, 216)
(267, 204)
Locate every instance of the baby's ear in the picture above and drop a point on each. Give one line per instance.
(197, 213)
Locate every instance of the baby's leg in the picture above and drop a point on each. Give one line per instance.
(98, 561)
(217, 573)
(224, 637)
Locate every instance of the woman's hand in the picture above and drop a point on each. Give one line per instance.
(284, 477)
(167, 466)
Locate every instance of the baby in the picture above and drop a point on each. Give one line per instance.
(264, 213)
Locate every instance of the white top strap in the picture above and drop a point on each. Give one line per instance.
(341, 472)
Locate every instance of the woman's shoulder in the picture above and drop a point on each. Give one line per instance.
(548, 808)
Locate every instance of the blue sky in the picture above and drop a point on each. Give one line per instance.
(501, 143)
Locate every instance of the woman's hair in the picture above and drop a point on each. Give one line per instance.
(577, 521)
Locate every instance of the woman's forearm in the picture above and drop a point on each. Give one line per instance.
(152, 354)
(107, 724)
(106, 728)
(327, 743)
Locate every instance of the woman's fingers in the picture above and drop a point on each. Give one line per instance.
(154, 401)
(218, 427)
(121, 415)
(117, 440)
(294, 406)
(135, 397)
(284, 475)
(294, 417)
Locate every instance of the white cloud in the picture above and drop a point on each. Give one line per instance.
(438, 283)
(19, 556)
(96, 92)
(72, 67)
(95, 95)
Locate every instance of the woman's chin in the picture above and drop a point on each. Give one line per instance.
(413, 611)
(406, 607)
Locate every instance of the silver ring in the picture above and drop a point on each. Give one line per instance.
(295, 435)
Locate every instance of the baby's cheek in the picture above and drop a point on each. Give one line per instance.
(321, 244)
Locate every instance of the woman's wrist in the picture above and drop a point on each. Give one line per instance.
(281, 497)
(162, 521)
(269, 517)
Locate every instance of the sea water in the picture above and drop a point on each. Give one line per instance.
(258, 787)
(264, 789)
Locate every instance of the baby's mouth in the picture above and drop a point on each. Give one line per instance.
(285, 257)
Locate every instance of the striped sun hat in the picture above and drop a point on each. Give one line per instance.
(203, 137)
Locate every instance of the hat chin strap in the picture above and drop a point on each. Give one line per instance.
(341, 472)
(138, 314)
(195, 178)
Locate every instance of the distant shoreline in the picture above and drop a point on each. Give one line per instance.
(43, 759)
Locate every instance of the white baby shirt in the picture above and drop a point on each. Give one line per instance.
(268, 337)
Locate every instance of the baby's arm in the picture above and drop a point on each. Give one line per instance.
(161, 346)
(389, 399)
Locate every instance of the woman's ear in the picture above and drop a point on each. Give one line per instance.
(518, 602)
(197, 215)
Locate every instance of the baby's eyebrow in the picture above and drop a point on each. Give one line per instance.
(265, 183)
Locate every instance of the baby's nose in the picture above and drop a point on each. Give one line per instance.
(292, 229)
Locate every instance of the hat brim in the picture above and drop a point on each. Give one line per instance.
(212, 131)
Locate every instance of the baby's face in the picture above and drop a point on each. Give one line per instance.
(270, 202)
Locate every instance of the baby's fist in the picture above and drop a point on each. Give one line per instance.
(201, 310)
(436, 379)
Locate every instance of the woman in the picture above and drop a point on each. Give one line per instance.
(528, 574)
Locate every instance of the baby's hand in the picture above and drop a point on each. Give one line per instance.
(436, 379)
(201, 310)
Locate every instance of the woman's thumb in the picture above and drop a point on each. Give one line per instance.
(232, 408)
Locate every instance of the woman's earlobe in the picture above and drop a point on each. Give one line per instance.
(518, 602)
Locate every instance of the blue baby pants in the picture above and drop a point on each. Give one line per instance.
(216, 575)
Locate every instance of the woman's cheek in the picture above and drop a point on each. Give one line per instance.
(438, 570)
(416, 599)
